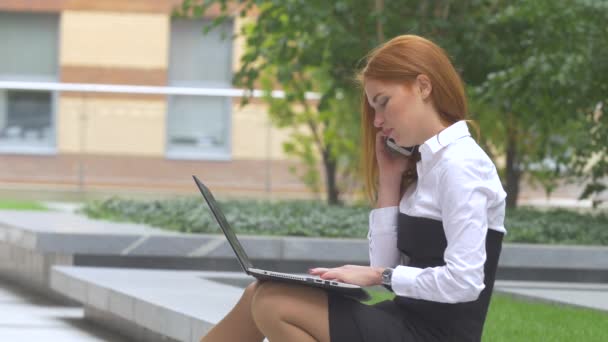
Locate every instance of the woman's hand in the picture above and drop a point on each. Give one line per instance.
(351, 274)
(391, 166)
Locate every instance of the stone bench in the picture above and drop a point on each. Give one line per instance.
(32, 242)
(157, 305)
(151, 305)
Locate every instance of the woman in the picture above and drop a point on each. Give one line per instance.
(443, 209)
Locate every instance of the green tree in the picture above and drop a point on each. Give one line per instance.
(590, 157)
(533, 67)
(301, 46)
(591, 154)
(547, 74)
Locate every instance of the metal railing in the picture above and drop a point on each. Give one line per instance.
(88, 91)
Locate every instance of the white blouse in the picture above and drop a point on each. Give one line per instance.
(458, 185)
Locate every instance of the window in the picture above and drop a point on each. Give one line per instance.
(198, 127)
(28, 53)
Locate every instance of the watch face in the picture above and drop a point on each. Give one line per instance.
(386, 276)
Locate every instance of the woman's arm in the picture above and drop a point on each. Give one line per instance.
(465, 190)
(382, 233)
(383, 251)
(382, 237)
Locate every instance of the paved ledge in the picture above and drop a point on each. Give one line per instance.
(32, 242)
(150, 305)
(67, 233)
(155, 305)
(26, 317)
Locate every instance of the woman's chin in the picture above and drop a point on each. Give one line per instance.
(402, 143)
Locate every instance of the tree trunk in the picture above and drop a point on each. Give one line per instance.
(512, 168)
(379, 29)
(333, 194)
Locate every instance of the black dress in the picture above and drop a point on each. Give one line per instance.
(406, 319)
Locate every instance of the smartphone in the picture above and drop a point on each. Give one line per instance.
(406, 151)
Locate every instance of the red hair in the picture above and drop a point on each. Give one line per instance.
(401, 60)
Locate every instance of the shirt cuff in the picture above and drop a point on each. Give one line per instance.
(383, 220)
(403, 281)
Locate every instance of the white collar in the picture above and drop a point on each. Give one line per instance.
(442, 139)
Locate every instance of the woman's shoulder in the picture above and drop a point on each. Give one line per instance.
(467, 166)
(466, 154)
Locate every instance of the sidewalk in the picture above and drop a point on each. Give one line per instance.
(25, 317)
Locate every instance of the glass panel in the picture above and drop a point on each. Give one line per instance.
(196, 57)
(197, 123)
(28, 52)
(26, 118)
(29, 46)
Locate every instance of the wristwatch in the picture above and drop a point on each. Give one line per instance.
(387, 276)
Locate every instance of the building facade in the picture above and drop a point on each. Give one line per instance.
(129, 140)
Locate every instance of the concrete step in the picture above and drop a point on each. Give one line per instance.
(156, 305)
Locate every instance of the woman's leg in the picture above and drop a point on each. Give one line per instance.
(238, 325)
(295, 313)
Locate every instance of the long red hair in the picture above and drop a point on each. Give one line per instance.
(401, 60)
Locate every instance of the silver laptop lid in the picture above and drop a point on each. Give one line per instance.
(221, 220)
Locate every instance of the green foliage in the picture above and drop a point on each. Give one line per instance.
(311, 45)
(312, 218)
(302, 46)
(548, 71)
(590, 160)
(535, 71)
(378, 296)
(556, 226)
(21, 205)
(294, 218)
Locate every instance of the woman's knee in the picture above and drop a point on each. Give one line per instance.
(279, 299)
(251, 289)
(268, 295)
(266, 291)
(248, 294)
(303, 307)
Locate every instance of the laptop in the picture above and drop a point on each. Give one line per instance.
(350, 290)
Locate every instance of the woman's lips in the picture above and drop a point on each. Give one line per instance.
(387, 132)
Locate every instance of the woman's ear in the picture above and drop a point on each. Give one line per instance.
(424, 86)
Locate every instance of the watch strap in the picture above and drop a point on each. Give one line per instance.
(387, 276)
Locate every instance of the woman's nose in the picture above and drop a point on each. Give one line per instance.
(378, 120)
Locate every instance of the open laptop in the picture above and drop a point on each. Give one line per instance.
(346, 289)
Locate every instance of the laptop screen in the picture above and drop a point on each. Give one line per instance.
(221, 220)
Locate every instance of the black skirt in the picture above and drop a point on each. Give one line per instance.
(353, 321)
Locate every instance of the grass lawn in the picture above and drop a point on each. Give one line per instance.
(514, 320)
(20, 205)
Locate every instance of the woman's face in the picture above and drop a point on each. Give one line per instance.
(399, 110)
